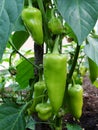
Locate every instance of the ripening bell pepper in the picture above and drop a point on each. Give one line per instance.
(55, 25)
(44, 111)
(93, 69)
(32, 19)
(75, 100)
(55, 76)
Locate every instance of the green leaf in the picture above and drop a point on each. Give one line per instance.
(25, 71)
(18, 38)
(70, 32)
(31, 124)
(91, 49)
(81, 15)
(9, 12)
(73, 127)
(11, 117)
(19, 25)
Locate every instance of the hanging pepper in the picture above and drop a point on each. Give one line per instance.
(93, 69)
(55, 25)
(32, 19)
(55, 76)
(75, 100)
(39, 88)
(44, 111)
(38, 93)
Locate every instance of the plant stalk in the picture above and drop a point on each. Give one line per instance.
(73, 64)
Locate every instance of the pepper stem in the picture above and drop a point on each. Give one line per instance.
(53, 13)
(73, 64)
(55, 48)
(30, 3)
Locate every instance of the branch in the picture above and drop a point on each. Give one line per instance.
(11, 43)
(73, 64)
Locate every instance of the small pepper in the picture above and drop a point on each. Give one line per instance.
(93, 69)
(75, 100)
(44, 111)
(39, 88)
(55, 25)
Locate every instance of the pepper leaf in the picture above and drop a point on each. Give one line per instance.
(9, 12)
(73, 127)
(91, 49)
(25, 71)
(19, 25)
(19, 37)
(81, 15)
(11, 117)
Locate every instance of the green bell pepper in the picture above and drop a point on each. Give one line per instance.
(39, 88)
(93, 69)
(55, 70)
(55, 25)
(75, 100)
(44, 111)
(32, 19)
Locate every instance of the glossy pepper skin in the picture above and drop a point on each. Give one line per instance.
(55, 77)
(44, 111)
(75, 100)
(32, 19)
(93, 69)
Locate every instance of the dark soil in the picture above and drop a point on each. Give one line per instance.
(89, 118)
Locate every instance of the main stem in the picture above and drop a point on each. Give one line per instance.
(40, 73)
(55, 48)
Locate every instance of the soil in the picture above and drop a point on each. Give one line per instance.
(89, 118)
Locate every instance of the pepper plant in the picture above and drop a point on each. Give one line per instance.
(48, 83)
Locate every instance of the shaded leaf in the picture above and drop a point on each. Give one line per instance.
(19, 25)
(81, 15)
(31, 124)
(25, 71)
(11, 117)
(9, 12)
(91, 49)
(73, 127)
(19, 38)
(70, 32)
